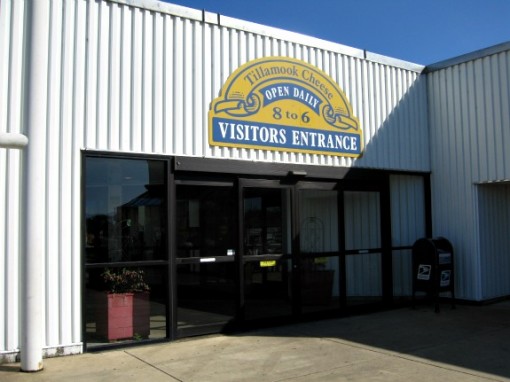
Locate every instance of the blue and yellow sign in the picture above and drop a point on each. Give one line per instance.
(284, 104)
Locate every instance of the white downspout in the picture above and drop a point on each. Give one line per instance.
(34, 126)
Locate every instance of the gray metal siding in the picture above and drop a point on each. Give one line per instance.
(469, 114)
(407, 195)
(494, 220)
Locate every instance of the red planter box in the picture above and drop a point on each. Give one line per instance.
(123, 316)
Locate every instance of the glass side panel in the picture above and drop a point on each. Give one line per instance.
(319, 276)
(125, 209)
(125, 317)
(362, 220)
(363, 234)
(364, 278)
(125, 221)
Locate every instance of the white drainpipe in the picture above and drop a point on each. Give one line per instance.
(35, 119)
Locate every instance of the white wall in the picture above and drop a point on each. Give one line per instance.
(494, 220)
(408, 224)
(469, 114)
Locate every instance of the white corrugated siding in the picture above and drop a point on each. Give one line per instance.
(494, 220)
(407, 194)
(139, 76)
(469, 114)
(362, 220)
(150, 78)
(11, 45)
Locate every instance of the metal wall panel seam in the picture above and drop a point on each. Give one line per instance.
(409, 105)
(489, 121)
(91, 59)
(147, 85)
(125, 86)
(177, 86)
(468, 159)
(52, 222)
(168, 74)
(462, 139)
(196, 111)
(479, 82)
(473, 117)
(157, 91)
(14, 91)
(4, 253)
(66, 154)
(14, 246)
(5, 49)
(496, 122)
(378, 116)
(77, 139)
(477, 289)
(137, 77)
(114, 79)
(206, 89)
(103, 75)
(215, 74)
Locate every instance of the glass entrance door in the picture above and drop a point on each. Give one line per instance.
(206, 258)
(319, 267)
(363, 247)
(266, 261)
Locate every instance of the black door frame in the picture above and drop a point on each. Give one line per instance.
(380, 186)
(210, 170)
(256, 183)
(205, 181)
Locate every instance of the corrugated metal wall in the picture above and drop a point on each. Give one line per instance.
(362, 218)
(149, 78)
(138, 76)
(11, 45)
(469, 114)
(494, 220)
(408, 221)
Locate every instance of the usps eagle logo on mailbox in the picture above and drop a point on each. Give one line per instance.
(284, 104)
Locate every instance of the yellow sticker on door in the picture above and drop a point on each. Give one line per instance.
(267, 263)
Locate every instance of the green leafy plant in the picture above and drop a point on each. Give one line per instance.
(124, 281)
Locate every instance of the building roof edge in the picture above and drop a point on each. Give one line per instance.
(495, 49)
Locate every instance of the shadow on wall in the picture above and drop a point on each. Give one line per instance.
(398, 137)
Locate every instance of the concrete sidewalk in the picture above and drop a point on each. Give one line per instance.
(466, 344)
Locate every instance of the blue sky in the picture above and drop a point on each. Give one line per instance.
(423, 32)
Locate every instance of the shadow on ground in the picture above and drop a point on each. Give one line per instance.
(472, 337)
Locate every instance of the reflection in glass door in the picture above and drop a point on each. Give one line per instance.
(126, 255)
(319, 245)
(206, 267)
(266, 263)
(363, 262)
